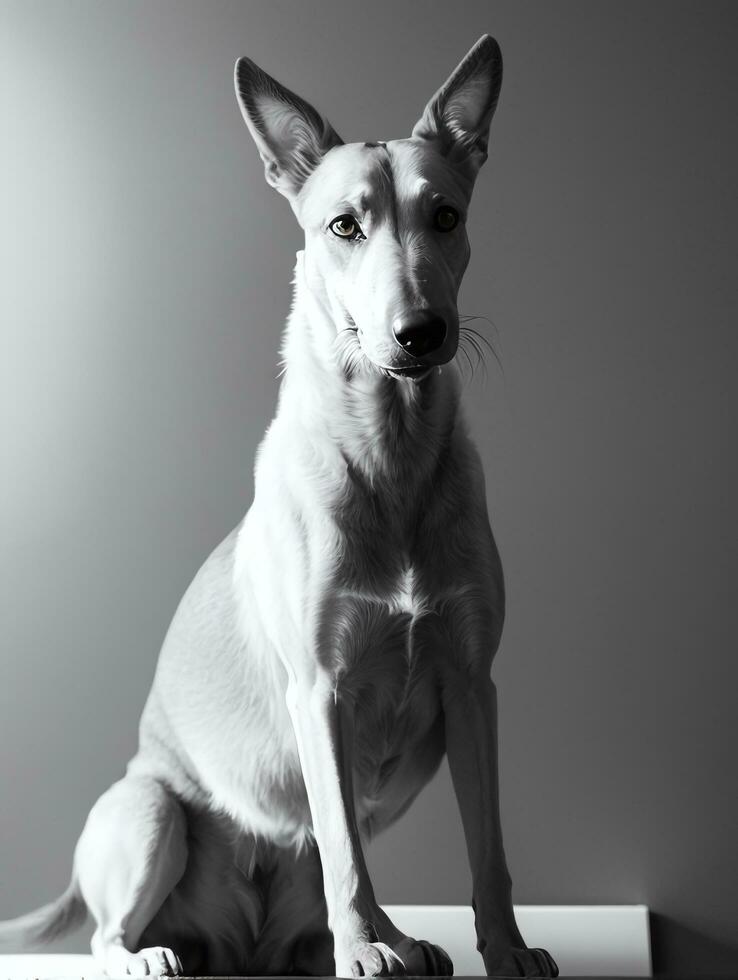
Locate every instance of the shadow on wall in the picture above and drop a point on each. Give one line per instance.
(679, 950)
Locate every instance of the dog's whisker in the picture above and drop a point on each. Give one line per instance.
(480, 354)
(465, 319)
(348, 352)
(463, 350)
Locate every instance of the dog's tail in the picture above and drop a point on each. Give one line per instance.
(59, 917)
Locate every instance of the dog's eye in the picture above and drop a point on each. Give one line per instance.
(446, 218)
(345, 226)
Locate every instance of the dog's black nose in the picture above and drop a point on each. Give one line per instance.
(421, 335)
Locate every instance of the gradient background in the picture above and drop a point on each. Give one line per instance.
(145, 275)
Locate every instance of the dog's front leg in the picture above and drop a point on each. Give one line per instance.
(470, 706)
(323, 730)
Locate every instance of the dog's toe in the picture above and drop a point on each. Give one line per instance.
(153, 961)
(377, 960)
(525, 963)
(425, 959)
(437, 960)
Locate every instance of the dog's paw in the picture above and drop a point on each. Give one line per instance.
(153, 961)
(424, 959)
(523, 963)
(372, 960)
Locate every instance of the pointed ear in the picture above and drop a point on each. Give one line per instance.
(290, 135)
(458, 116)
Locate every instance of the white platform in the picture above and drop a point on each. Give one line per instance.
(585, 940)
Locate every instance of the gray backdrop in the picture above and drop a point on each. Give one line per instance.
(145, 275)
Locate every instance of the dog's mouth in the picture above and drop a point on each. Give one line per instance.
(399, 372)
(414, 372)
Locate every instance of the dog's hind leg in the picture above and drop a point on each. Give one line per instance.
(294, 938)
(131, 854)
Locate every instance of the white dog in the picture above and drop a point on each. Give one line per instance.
(339, 641)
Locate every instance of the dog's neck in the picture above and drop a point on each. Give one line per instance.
(385, 429)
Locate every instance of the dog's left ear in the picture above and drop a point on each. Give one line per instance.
(290, 135)
(458, 116)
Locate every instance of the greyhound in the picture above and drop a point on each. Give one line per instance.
(340, 639)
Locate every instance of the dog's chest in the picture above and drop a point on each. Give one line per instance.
(383, 637)
(387, 650)
(390, 676)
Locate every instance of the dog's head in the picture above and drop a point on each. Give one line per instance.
(385, 239)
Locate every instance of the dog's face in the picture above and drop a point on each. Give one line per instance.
(385, 239)
(386, 248)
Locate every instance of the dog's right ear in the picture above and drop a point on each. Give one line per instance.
(290, 135)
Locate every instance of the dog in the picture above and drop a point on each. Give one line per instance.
(340, 639)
